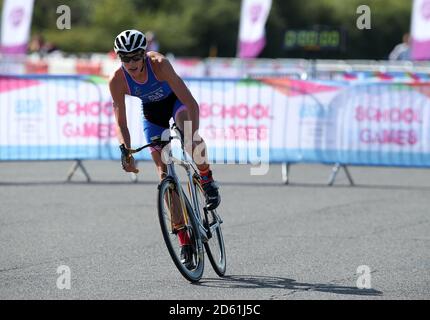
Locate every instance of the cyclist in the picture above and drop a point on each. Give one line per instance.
(151, 77)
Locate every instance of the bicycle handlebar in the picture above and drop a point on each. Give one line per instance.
(158, 142)
(152, 144)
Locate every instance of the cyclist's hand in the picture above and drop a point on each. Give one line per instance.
(129, 165)
(127, 160)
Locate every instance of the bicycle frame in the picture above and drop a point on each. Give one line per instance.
(206, 232)
(188, 166)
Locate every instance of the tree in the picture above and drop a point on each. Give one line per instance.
(192, 27)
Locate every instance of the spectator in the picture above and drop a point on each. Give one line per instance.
(36, 44)
(40, 46)
(402, 51)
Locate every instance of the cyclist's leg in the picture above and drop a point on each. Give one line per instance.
(198, 151)
(181, 114)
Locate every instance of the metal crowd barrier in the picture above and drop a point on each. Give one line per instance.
(52, 118)
(374, 123)
(266, 120)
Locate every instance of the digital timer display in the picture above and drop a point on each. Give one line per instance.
(313, 39)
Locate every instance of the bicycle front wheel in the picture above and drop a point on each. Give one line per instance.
(175, 214)
(215, 248)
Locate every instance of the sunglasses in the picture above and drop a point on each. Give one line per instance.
(136, 57)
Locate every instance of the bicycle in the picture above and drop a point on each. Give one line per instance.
(202, 225)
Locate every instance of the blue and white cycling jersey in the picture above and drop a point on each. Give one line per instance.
(149, 91)
(159, 102)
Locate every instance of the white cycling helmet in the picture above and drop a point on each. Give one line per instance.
(129, 41)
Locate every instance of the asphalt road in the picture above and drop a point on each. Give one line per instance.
(301, 241)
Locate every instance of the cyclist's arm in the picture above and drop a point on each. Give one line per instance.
(167, 73)
(117, 90)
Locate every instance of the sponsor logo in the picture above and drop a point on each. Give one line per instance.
(137, 91)
(425, 9)
(255, 12)
(28, 106)
(16, 16)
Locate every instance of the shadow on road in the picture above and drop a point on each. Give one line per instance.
(265, 282)
(322, 185)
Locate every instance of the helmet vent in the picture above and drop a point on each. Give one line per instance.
(130, 41)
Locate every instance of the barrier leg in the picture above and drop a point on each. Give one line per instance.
(285, 171)
(333, 175)
(348, 175)
(78, 165)
(335, 170)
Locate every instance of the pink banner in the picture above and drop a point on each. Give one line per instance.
(252, 38)
(420, 30)
(15, 26)
(251, 49)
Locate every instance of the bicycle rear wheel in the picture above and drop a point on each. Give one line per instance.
(215, 248)
(169, 202)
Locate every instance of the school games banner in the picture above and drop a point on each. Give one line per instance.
(242, 121)
(58, 117)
